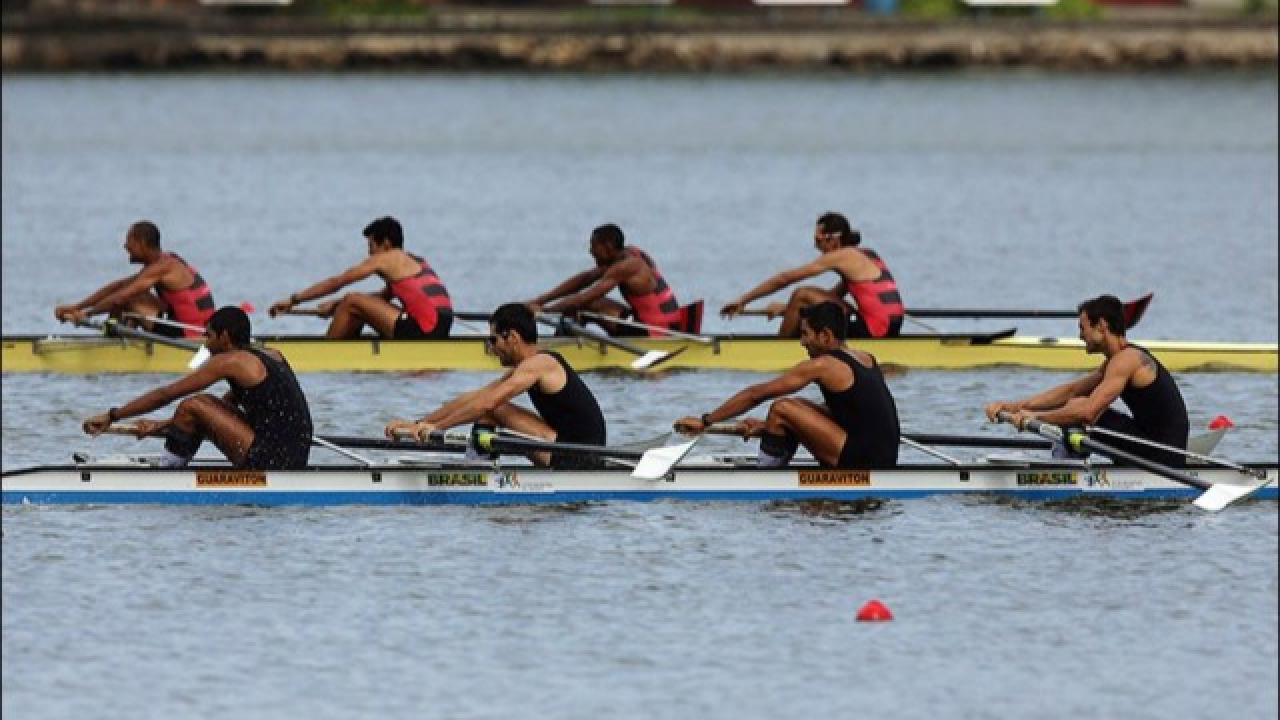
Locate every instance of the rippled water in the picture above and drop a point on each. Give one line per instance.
(1002, 190)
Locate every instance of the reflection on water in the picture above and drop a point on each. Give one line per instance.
(828, 509)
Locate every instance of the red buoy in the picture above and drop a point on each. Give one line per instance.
(247, 307)
(874, 611)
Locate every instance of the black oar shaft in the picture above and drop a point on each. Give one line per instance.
(1054, 432)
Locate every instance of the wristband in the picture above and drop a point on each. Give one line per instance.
(112, 414)
(293, 298)
(706, 420)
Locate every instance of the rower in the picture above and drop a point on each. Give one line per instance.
(567, 411)
(1128, 372)
(650, 301)
(263, 423)
(166, 286)
(878, 310)
(857, 425)
(424, 311)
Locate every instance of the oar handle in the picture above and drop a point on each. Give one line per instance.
(500, 443)
(303, 311)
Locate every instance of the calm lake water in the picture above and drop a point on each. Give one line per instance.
(1005, 190)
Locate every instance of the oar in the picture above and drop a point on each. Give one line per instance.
(704, 339)
(1256, 473)
(653, 464)
(1214, 498)
(645, 358)
(1133, 312)
(114, 327)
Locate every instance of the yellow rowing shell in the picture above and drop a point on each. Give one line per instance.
(93, 354)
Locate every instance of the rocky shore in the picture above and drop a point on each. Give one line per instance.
(864, 43)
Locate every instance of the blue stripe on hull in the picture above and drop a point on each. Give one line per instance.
(515, 498)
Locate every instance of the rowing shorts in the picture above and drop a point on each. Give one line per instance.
(575, 462)
(265, 454)
(407, 328)
(867, 456)
(858, 327)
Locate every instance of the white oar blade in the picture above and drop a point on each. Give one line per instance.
(656, 463)
(201, 357)
(1221, 495)
(649, 359)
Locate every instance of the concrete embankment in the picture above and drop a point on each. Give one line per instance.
(32, 44)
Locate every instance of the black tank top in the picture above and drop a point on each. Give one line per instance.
(867, 413)
(573, 412)
(275, 408)
(1158, 409)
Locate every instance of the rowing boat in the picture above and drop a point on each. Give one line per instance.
(87, 354)
(449, 480)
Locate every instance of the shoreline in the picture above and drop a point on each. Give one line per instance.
(34, 44)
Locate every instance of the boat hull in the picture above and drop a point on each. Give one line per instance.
(94, 355)
(456, 484)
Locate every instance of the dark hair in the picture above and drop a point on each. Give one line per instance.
(827, 316)
(1107, 308)
(233, 321)
(834, 222)
(517, 317)
(610, 235)
(147, 232)
(386, 228)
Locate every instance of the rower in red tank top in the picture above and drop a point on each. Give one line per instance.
(424, 312)
(863, 275)
(649, 299)
(167, 296)
(192, 305)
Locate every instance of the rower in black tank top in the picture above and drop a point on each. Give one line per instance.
(277, 411)
(867, 413)
(1159, 415)
(574, 414)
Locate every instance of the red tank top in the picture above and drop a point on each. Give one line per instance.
(878, 300)
(659, 307)
(422, 296)
(192, 305)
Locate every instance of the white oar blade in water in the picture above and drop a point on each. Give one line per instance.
(201, 357)
(656, 463)
(1221, 495)
(649, 359)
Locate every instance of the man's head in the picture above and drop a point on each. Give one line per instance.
(833, 232)
(1100, 318)
(511, 328)
(142, 241)
(227, 329)
(823, 328)
(383, 233)
(607, 243)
